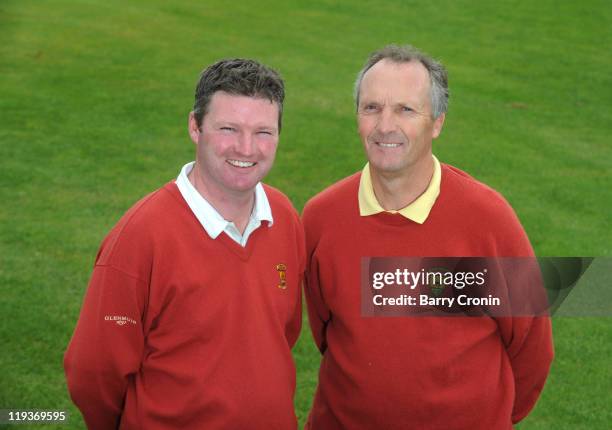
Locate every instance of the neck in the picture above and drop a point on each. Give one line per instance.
(395, 191)
(233, 206)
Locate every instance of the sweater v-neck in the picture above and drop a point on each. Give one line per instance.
(243, 252)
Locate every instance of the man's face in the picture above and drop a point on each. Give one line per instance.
(236, 143)
(394, 116)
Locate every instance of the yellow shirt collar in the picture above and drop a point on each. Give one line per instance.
(417, 211)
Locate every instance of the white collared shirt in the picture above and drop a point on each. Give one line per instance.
(211, 219)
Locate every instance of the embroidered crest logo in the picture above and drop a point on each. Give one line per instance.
(437, 287)
(282, 274)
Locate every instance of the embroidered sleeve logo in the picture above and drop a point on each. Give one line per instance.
(120, 319)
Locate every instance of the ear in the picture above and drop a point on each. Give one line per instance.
(194, 130)
(437, 125)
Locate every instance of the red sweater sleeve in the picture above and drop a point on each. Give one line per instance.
(107, 346)
(531, 354)
(293, 328)
(318, 312)
(528, 340)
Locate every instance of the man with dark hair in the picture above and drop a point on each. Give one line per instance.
(408, 372)
(194, 302)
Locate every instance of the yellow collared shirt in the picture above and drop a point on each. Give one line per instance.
(417, 211)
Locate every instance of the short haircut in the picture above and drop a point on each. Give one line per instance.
(438, 78)
(240, 77)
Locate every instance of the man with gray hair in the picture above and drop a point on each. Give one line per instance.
(429, 372)
(195, 302)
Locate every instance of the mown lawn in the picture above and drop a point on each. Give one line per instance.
(94, 97)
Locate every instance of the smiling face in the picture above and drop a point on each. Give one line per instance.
(236, 144)
(395, 117)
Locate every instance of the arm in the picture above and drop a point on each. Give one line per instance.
(103, 355)
(528, 339)
(319, 314)
(530, 350)
(293, 328)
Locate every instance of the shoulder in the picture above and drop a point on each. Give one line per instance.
(339, 202)
(279, 202)
(136, 230)
(153, 208)
(335, 198)
(477, 197)
(484, 210)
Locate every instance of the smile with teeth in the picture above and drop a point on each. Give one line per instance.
(241, 164)
(388, 145)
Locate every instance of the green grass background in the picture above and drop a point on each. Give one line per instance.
(94, 97)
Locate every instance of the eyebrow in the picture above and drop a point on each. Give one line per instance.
(414, 105)
(222, 123)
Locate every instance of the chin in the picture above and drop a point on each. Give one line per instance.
(388, 167)
(243, 186)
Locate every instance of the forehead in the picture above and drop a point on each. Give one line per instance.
(396, 81)
(238, 108)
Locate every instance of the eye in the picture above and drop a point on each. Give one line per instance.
(369, 108)
(406, 109)
(264, 133)
(227, 129)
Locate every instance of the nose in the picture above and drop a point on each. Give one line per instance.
(245, 146)
(386, 122)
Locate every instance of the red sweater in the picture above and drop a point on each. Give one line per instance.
(421, 372)
(179, 331)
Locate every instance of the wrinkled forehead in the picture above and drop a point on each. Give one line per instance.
(393, 81)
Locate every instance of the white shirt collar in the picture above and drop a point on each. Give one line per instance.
(211, 219)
